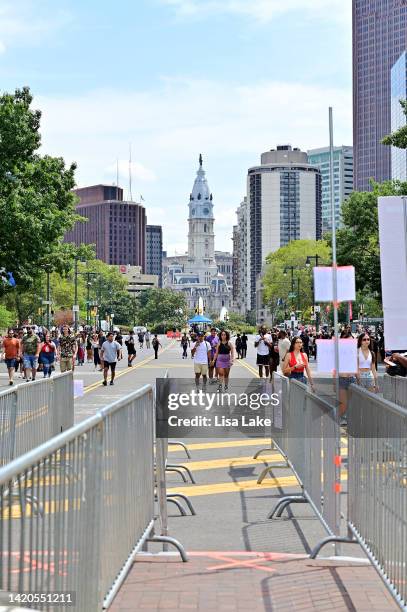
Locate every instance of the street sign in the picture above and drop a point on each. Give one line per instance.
(292, 295)
(317, 308)
(75, 308)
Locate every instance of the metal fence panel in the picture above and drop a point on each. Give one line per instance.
(34, 412)
(395, 389)
(377, 485)
(74, 509)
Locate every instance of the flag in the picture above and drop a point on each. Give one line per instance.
(350, 312)
(11, 280)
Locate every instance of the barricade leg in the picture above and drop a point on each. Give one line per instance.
(284, 502)
(329, 540)
(177, 467)
(184, 446)
(186, 500)
(174, 542)
(179, 506)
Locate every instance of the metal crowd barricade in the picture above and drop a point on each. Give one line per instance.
(377, 485)
(162, 466)
(75, 510)
(305, 434)
(395, 389)
(34, 412)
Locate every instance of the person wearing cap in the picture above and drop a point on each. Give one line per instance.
(201, 353)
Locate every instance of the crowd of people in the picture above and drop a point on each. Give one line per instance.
(32, 349)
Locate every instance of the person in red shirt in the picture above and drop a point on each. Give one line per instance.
(12, 353)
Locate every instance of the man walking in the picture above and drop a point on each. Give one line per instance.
(31, 350)
(131, 349)
(12, 351)
(201, 354)
(263, 343)
(111, 353)
(213, 341)
(67, 349)
(156, 345)
(147, 339)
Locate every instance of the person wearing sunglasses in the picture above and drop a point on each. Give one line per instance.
(366, 375)
(296, 361)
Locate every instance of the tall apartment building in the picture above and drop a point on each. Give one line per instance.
(240, 258)
(284, 204)
(343, 180)
(398, 118)
(379, 38)
(116, 227)
(154, 251)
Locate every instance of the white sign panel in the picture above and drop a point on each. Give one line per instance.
(348, 353)
(77, 388)
(393, 262)
(323, 289)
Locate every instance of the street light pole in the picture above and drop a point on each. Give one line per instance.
(48, 298)
(75, 314)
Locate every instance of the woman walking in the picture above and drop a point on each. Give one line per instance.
(47, 354)
(367, 374)
(296, 362)
(95, 348)
(224, 356)
(184, 346)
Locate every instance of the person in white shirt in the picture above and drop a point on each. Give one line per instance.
(201, 353)
(263, 342)
(283, 346)
(110, 353)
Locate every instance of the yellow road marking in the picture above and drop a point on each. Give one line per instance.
(212, 464)
(251, 369)
(126, 371)
(235, 487)
(229, 444)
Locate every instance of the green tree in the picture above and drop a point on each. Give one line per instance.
(284, 290)
(399, 137)
(358, 240)
(6, 317)
(37, 205)
(162, 307)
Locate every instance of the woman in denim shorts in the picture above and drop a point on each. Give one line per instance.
(367, 374)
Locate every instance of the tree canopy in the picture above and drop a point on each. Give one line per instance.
(287, 282)
(399, 137)
(37, 205)
(162, 307)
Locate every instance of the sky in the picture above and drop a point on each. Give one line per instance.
(176, 78)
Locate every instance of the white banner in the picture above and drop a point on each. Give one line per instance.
(323, 289)
(347, 355)
(393, 262)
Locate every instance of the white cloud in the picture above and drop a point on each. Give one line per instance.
(261, 11)
(169, 126)
(26, 23)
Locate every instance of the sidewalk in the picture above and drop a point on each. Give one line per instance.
(255, 582)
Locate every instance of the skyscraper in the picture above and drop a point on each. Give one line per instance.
(116, 227)
(343, 180)
(398, 118)
(154, 251)
(379, 38)
(284, 204)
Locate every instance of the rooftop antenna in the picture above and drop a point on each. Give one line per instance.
(131, 195)
(117, 179)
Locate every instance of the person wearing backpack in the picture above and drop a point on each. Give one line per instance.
(156, 345)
